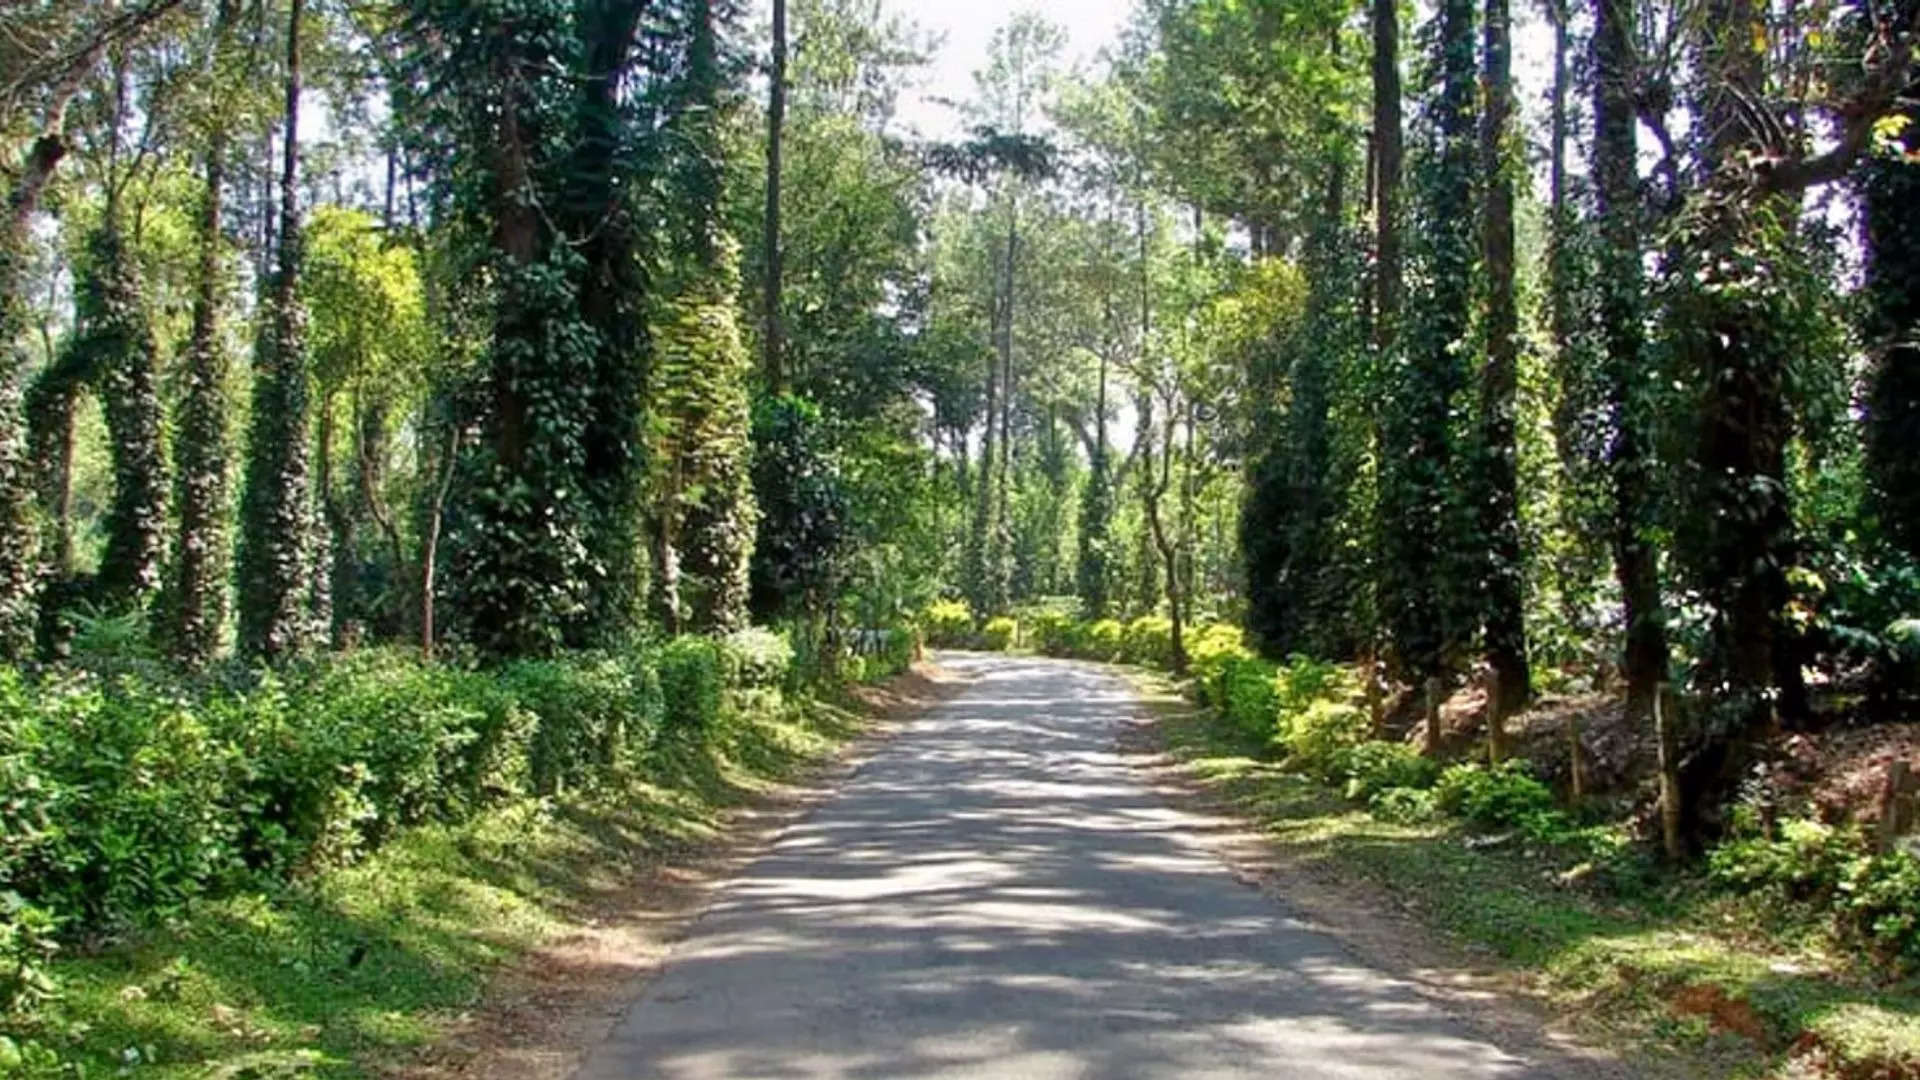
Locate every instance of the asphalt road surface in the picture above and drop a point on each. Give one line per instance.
(996, 894)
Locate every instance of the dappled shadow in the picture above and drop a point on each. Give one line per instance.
(996, 894)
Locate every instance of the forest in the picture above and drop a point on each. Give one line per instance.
(415, 410)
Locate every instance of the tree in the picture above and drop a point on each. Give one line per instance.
(1621, 317)
(776, 122)
(276, 519)
(1425, 533)
(530, 117)
(199, 578)
(1891, 185)
(703, 509)
(1504, 610)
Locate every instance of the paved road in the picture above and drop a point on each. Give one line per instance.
(996, 895)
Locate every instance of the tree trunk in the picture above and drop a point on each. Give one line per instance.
(1616, 182)
(430, 545)
(1388, 155)
(1504, 615)
(277, 518)
(200, 425)
(776, 121)
(1154, 490)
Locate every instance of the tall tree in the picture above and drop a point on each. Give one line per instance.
(1504, 611)
(276, 523)
(775, 372)
(1388, 155)
(704, 512)
(1891, 185)
(199, 580)
(1424, 529)
(1621, 319)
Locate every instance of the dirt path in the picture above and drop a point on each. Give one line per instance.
(998, 892)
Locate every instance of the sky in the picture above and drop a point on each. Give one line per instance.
(968, 25)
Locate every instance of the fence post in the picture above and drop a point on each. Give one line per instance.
(1496, 721)
(1894, 805)
(1669, 743)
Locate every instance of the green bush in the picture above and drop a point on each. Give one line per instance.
(949, 624)
(1211, 652)
(119, 798)
(1505, 795)
(1148, 641)
(1102, 640)
(592, 716)
(1052, 633)
(1318, 738)
(1250, 697)
(126, 796)
(761, 657)
(1404, 805)
(999, 634)
(1870, 896)
(693, 686)
(1374, 766)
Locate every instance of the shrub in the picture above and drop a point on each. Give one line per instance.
(1874, 897)
(1148, 641)
(1211, 651)
(1317, 738)
(1304, 681)
(124, 796)
(1404, 805)
(1374, 766)
(1103, 640)
(591, 717)
(1250, 697)
(1052, 633)
(999, 634)
(761, 657)
(949, 624)
(693, 687)
(1504, 795)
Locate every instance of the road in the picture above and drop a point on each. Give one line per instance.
(996, 894)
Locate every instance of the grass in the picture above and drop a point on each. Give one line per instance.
(352, 968)
(1662, 967)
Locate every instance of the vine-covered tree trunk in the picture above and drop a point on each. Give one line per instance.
(1626, 377)
(19, 540)
(1093, 565)
(276, 512)
(1892, 212)
(1421, 584)
(199, 581)
(1504, 611)
(1388, 154)
(612, 297)
(122, 356)
(50, 405)
(700, 394)
(775, 370)
(1733, 342)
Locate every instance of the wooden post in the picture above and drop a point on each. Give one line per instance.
(1376, 709)
(1433, 716)
(1496, 721)
(1576, 755)
(1895, 805)
(1663, 727)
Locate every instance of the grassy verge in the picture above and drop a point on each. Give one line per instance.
(1726, 986)
(355, 966)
